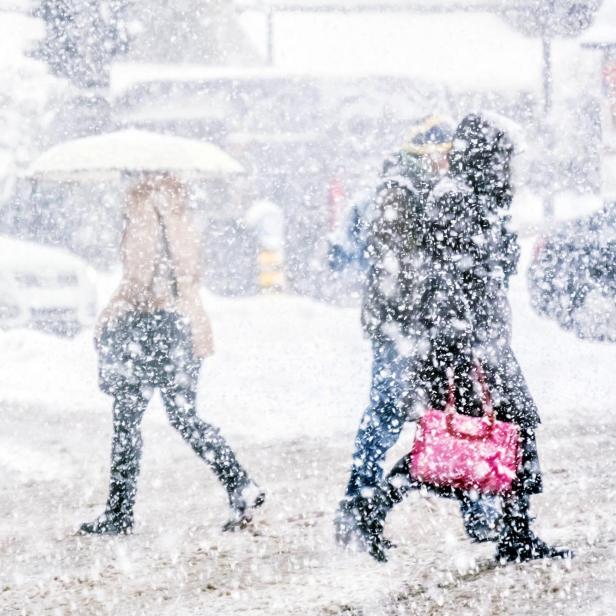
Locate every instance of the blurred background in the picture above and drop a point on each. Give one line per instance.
(309, 96)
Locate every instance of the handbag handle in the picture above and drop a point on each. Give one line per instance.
(486, 400)
(486, 404)
(450, 406)
(167, 252)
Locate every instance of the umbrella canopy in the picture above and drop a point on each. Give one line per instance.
(107, 156)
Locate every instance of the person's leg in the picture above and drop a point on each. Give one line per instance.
(373, 512)
(517, 542)
(480, 513)
(370, 513)
(381, 423)
(179, 397)
(481, 516)
(128, 408)
(379, 429)
(512, 402)
(395, 487)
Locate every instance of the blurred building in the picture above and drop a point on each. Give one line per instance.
(311, 96)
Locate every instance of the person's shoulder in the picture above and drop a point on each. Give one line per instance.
(391, 195)
(398, 185)
(450, 187)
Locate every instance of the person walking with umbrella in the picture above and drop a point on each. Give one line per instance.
(154, 334)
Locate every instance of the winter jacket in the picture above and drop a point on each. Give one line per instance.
(471, 232)
(151, 281)
(438, 281)
(391, 244)
(467, 228)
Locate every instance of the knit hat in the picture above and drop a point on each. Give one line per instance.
(431, 135)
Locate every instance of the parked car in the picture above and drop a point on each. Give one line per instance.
(572, 276)
(44, 287)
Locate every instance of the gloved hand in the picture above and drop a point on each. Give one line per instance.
(337, 258)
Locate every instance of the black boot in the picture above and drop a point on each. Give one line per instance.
(517, 542)
(528, 548)
(372, 514)
(360, 521)
(242, 500)
(346, 521)
(481, 517)
(108, 523)
(117, 519)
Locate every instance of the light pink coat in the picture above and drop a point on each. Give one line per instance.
(141, 289)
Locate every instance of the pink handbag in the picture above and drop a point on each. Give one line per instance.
(464, 452)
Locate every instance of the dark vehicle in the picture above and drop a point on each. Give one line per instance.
(572, 277)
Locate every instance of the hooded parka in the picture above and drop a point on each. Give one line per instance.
(468, 213)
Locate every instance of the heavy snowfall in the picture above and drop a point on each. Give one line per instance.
(211, 184)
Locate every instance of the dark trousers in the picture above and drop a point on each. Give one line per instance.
(154, 351)
(393, 392)
(399, 482)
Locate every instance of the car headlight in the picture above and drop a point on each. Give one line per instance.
(27, 279)
(9, 305)
(90, 274)
(8, 311)
(68, 279)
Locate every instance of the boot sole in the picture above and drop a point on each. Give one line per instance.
(565, 555)
(101, 533)
(246, 518)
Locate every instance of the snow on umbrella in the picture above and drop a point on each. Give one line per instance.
(108, 156)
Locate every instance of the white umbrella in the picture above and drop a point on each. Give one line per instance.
(107, 156)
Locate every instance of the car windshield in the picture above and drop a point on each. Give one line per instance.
(48, 278)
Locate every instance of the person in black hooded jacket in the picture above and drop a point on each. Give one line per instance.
(456, 310)
(388, 252)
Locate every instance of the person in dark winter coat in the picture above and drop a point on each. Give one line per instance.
(457, 310)
(390, 253)
(154, 334)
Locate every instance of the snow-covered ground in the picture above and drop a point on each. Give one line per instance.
(287, 387)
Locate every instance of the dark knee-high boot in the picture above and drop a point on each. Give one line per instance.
(517, 542)
(244, 494)
(118, 515)
(362, 518)
(360, 521)
(125, 463)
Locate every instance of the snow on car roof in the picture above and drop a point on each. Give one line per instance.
(602, 31)
(16, 253)
(125, 75)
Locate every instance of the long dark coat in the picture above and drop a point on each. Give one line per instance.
(470, 227)
(467, 232)
(438, 291)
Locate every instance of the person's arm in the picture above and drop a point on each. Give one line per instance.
(447, 322)
(393, 220)
(184, 251)
(509, 250)
(347, 243)
(138, 252)
(386, 244)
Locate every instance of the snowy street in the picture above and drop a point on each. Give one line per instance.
(287, 386)
(282, 221)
